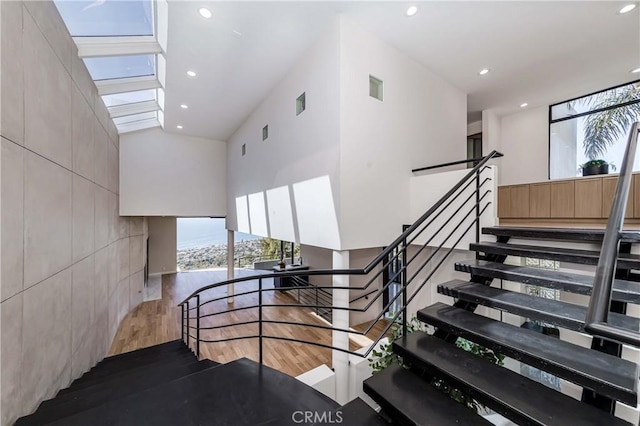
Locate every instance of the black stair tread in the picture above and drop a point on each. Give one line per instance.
(626, 291)
(514, 396)
(564, 234)
(403, 394)
(114, 372)
(607, 375)
(140, 374)
(564, 314)
(354, 413)
(67, 405)
(150, 351)
(241, 392)
(587, 257)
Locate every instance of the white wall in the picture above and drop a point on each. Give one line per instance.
(421, 121)
(162, 245)
(164, 174)
(287, 186)
(524, 140)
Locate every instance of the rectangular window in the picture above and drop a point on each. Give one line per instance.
(265, 132)
(300, 104)
(244, 149)
(593, 127)
(375, 88)
(88, 18)
(109, 67)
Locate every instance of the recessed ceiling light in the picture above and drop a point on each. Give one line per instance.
(628, 8)
(205, 13)
(484, 71)
(635, 71)
(524, 105)
(178, 127)
(184, 106)
(191, 73)
(412, 10)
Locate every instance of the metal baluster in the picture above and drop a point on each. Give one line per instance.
(260, 317)
(198, 327)
(182, 323)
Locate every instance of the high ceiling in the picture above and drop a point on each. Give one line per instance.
(538, 52)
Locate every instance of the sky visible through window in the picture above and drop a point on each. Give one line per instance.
(107, 18)
(106, 68)
(129, 97)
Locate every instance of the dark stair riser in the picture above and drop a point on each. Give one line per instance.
(81, 401)
(605, 374)
(584, 257)
(410, 400)
(519, 399)
(126, 376)
(113, 372)
(624, 291)
(559, 313)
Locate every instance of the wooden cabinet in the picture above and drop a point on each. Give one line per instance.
(540, 200)
(588, 199)
(563, 197)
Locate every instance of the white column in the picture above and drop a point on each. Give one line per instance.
(340, 360)
(230, 264)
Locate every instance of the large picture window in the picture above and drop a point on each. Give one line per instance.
(593, 127)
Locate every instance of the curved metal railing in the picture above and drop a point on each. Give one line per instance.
(468, 203)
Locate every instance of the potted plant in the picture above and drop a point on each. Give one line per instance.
(596, 167)
(385, 356)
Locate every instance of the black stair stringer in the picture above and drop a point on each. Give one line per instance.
(468, 306)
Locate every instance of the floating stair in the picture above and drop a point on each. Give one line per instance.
(413, 401)
(566, 315)
(514, 396)
(558, 234)
(608, 375)
(625, 291)
(586, 257)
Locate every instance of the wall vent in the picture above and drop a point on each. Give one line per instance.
(244, 149)
(265, 132)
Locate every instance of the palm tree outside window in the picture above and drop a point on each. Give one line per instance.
(592, 129)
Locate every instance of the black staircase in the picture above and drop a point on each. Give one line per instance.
(399, 391)
(166, 385)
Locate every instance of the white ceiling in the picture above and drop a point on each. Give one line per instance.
(538, 52)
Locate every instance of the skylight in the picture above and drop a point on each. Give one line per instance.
(107, 18)
(129, 97)
(110, 67)
(134, 118)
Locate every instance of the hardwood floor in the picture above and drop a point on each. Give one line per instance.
(158, 321)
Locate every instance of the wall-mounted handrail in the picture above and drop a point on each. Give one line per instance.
(455, 163)
(599, 304)
(460, 219)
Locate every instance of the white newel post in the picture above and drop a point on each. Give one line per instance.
(230, 264)
(340, 360)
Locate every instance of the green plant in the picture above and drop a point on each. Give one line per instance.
(597, 163)
(384, 357)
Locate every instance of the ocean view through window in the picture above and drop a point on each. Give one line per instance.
(202, 244)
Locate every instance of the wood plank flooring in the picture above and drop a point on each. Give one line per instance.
(158, 321)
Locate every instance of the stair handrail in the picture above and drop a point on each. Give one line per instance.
(454, 163)
(376, 260)
(599, 304)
